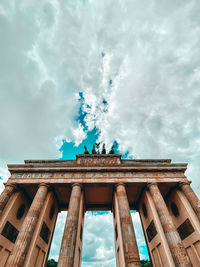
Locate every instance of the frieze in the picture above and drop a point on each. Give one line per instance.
(19, 175)
(96, 175)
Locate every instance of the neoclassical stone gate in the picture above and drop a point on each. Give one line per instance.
(37, 190)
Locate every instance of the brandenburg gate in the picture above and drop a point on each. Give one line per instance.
(158, 189)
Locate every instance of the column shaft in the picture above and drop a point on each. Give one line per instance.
(175, 245)
(128, 235)
(192, 197)
(5, 196)
(21, 246)
(67, 251)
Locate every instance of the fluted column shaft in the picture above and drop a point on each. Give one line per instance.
(21, 246)
(67, 251)
(5, 196)
(191, 196)
(175, 244)
(131, 253)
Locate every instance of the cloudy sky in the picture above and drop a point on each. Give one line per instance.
(114, 70)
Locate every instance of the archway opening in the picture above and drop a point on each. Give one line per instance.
(98, 239)
(141, 242)
(57, 239)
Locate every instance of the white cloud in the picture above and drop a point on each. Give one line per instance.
(139, 235)
(57, 236)
(38, 105)
(98, 241)
(79, 134)
(37, 95)
(151, 56)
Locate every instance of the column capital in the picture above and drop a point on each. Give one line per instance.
(191, 196)
(117, 186)
(120, 183)
(187, 182)
(149, 184)
(10, 184)
(44, 184)
(9, 189)
(76, 184)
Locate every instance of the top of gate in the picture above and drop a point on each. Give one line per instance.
(98, 159)
(98, 162)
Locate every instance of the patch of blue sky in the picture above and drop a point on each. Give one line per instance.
(144, 251)
(105, 105)
(81, 114)
(69, 150)
(98, 212)
(133, 211)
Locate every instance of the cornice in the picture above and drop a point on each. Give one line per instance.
(55, 168)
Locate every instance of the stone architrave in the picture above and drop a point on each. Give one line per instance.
(67, 251)
(131, 253)
(5, 196)
(175, 244)
(191, 196)
(21, 247)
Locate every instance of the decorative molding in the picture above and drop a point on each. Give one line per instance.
(98, 159)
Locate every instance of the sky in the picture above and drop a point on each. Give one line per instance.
(107, 70)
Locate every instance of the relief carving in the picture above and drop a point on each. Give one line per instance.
(92, 160)
(93, 175)
(19, 175)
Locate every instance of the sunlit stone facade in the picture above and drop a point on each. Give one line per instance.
(37, 190)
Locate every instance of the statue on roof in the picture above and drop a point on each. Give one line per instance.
(112, 151)
(86, 151)
(103, 149)
(94, 150)
(98, 145)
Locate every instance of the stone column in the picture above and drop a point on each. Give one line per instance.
(5, 196)
(67, 251)
(174, 242)
(131, 253)
(191, 196)
(21, 246)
